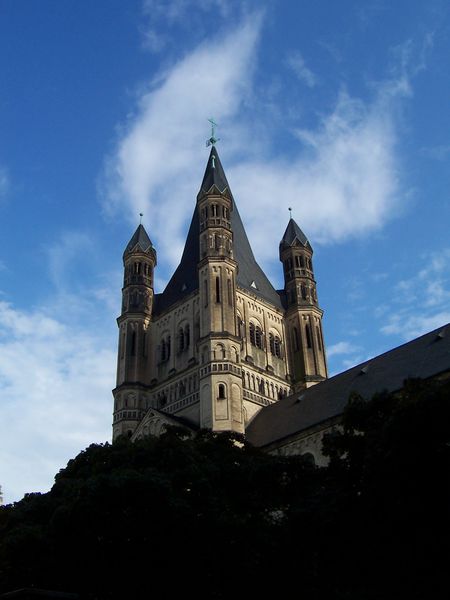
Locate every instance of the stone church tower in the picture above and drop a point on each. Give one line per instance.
(219, 343)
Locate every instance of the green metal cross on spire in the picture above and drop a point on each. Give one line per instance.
(212, 140)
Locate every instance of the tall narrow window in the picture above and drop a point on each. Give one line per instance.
(308, 336)
(187, 336)
(271, 343)
(205, 290)
(221, 391)
(144, 344)
(240, 327)
(252, 334)
(217, 289)
(319, 341)
(180, 340)
(168, 347)
(295, 339)
(163, 350)
(302, 261)
(133, 343)
(230, 292)
(303, 290)
(258, 337)
(277, 345)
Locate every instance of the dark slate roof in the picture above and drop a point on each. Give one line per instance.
(292, 233)
(424, 357)
(140, 238)
(214, 174)
(185, 279)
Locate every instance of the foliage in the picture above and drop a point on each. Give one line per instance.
(209, 514)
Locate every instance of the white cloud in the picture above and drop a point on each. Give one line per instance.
(420, 303)
(345, 184)
(158, 165)
(57, 368)
(410, 326)
(297, 63)
(341, 348)
(55, 382)
(181, 13)
(341, 178)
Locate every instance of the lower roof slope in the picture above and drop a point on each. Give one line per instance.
(424, 357)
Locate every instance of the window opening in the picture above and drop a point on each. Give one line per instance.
(308, 336)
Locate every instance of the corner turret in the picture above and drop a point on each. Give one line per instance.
(139, 260)
(303, 316)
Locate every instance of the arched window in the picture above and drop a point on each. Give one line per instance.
(309, 459)
(302, 261)
(258, 337)
(262, 387)
(252, 334)
(230, 292)
(308, 336)
(303, 290)
(168, 347)
(214, 210)
(221, 391)
(163, 350)
(187, 336)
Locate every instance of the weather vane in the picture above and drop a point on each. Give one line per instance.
(141, 215)
(290, 212)
(212, 140)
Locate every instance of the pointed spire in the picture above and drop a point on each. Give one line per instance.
(293, 233)
(140, 238)
(214, 174)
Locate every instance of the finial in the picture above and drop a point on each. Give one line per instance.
(140, 220)
(212, 140)
(290, 212)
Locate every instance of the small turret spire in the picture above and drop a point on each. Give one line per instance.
(293, 233)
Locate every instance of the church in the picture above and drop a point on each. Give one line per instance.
(221, 349)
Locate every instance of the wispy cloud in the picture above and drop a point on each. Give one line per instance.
(57, 368)
(421, 303)
(297, 63)
(55, 381)
(157, 167)
(341, 178)
(177, 13)
(341, 348)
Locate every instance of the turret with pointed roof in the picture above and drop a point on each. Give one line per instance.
(303, 317)
(139, 261)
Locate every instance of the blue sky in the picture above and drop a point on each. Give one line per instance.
(337, 109)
